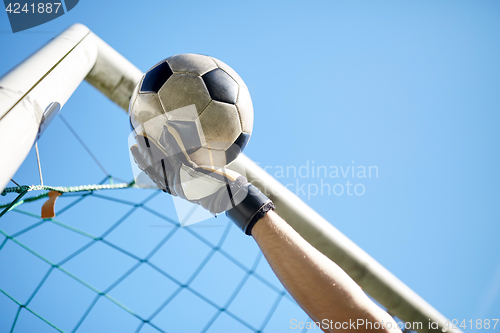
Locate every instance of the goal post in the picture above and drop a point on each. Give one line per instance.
(34, 91)
(376, 281)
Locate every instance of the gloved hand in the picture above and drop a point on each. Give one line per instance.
(215, 189)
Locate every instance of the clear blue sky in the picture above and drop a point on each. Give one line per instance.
(409, 87)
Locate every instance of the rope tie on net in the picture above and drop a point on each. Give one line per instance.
(24, 189)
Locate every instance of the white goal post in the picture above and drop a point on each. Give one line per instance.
(33, 92)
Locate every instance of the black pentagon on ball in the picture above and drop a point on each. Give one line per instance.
(221, 86)
(156, 77)
(237, 147)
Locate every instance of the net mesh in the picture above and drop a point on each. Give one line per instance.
(116, 259)
(181, 265)
(139, 270)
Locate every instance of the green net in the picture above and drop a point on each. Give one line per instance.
(202, 278)
(116, 259)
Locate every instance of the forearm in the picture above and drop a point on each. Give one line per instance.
(318, 285)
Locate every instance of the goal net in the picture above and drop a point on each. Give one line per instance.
(116, 259)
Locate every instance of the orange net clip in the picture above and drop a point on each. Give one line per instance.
(49, 205)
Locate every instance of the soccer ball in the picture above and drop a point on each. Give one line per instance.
(204, 99)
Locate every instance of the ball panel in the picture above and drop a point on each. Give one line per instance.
(221, 125)
(182, 90)
(218, 158)
(183, 114)
(144, 108)
(156, 77)
(237, 147)
(188, 131)
(135, 91)
(245, 109)
(209, 157)
(242, 140)
(132, 102)
(221, 86)
(153, 128)
(229, 71)
(201, 156)
(191, 63)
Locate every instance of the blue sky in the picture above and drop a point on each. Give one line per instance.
(409, 87)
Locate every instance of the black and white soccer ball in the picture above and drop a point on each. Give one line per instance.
(203, 98)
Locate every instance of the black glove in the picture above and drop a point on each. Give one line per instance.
(215, 189)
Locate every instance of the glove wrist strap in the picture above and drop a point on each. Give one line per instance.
(251, 209)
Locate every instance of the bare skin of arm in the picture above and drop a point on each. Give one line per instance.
(318, 285)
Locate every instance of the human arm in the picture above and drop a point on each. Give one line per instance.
(318, 285)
